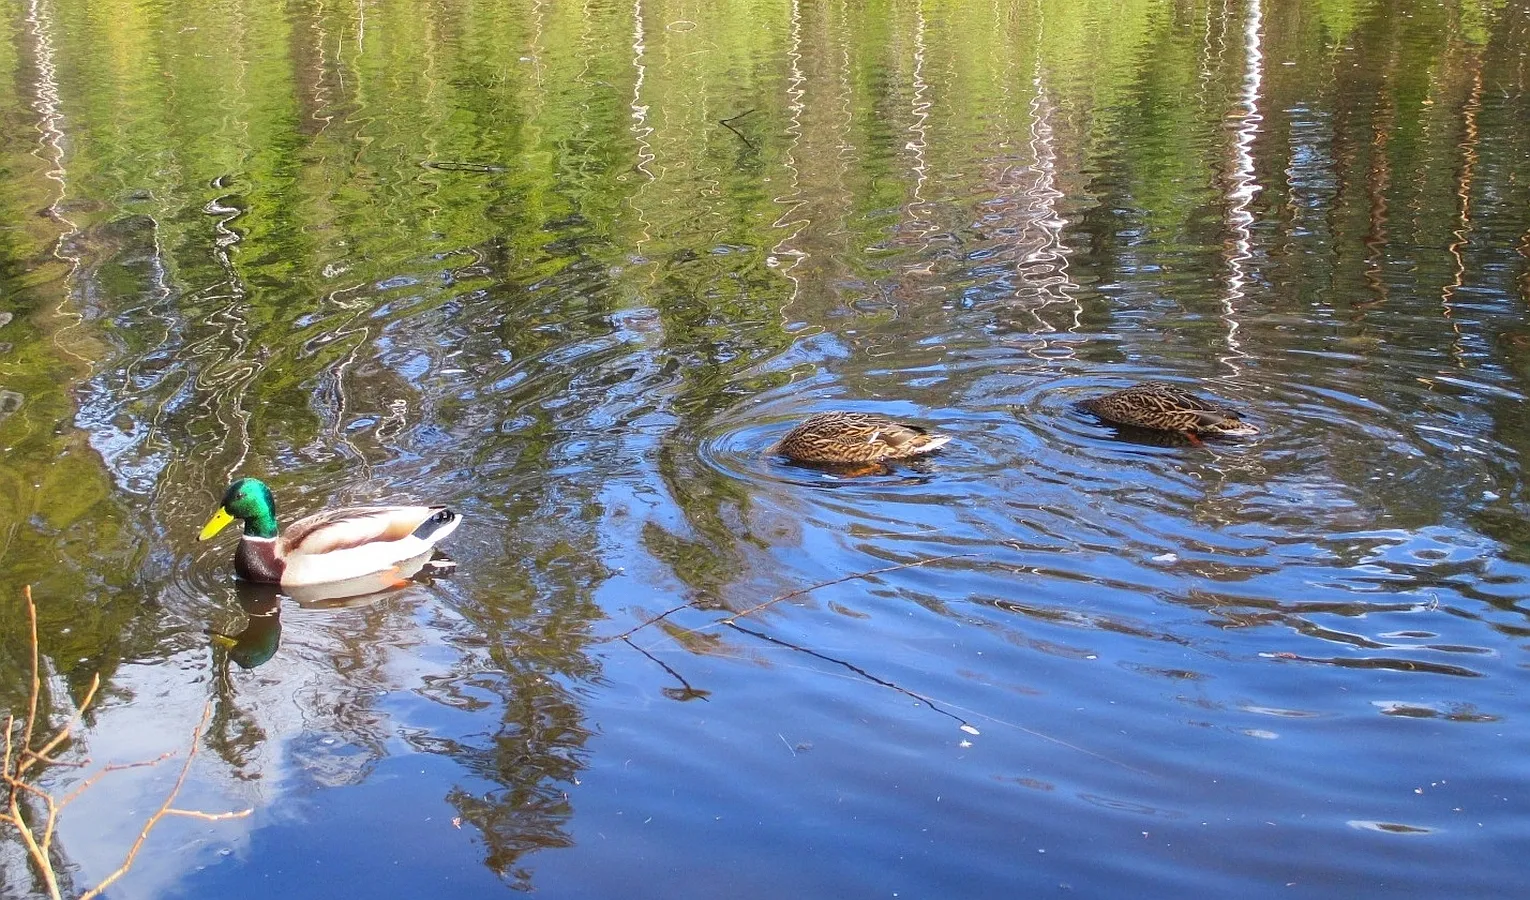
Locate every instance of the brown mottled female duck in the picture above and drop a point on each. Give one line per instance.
(1160, 406)
(856, 439)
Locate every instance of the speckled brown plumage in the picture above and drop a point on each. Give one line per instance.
(1165, 407)
(853, 438)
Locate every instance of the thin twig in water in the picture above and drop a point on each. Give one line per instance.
(728, 124)
(772, 601)
(167, 809)
(20, 758)
(685, 691)
(949, 705)
(643, 624)
(966, 726)
(841, 580)
(107, 770)
(41, 753)
(26, 730)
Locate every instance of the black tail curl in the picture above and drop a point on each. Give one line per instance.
(442, 518)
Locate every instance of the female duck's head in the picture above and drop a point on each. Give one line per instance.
(250, 500)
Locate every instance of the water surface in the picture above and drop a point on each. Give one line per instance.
(572, 267)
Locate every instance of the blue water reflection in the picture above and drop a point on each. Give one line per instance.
(572, 268)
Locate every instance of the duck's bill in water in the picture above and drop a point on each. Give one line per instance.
(217, 523)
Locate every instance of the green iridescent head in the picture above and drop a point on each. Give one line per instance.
(248, 499)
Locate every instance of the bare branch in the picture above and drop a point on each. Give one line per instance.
(26, 730)
(5, 764)
(730, 620)
(54, 761)
(207, 816)
(107, 770)
(16, 763)
(841, 580)
(166, 808)
(39, 855)
(20, 757)
(643, 624)
(728, 124)
(63, 733)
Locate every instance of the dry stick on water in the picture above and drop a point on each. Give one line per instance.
(643, 624)
(732, 622)
(774, 600)
(20, 758)
(728, 124)
(931, 704)
(841, 580)
(685, 691)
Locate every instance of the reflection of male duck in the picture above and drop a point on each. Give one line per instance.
(262, 604)
(262, 631)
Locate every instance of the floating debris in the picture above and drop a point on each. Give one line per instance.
(1388, 827)
(446, 165)
(10, 401)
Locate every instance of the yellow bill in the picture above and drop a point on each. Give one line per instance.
(217, 523)
(223, 640)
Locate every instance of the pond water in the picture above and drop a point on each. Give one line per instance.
(571, 268)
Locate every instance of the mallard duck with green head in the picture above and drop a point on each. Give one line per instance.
(1161, 406)
(333, 545)
(853, 438)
